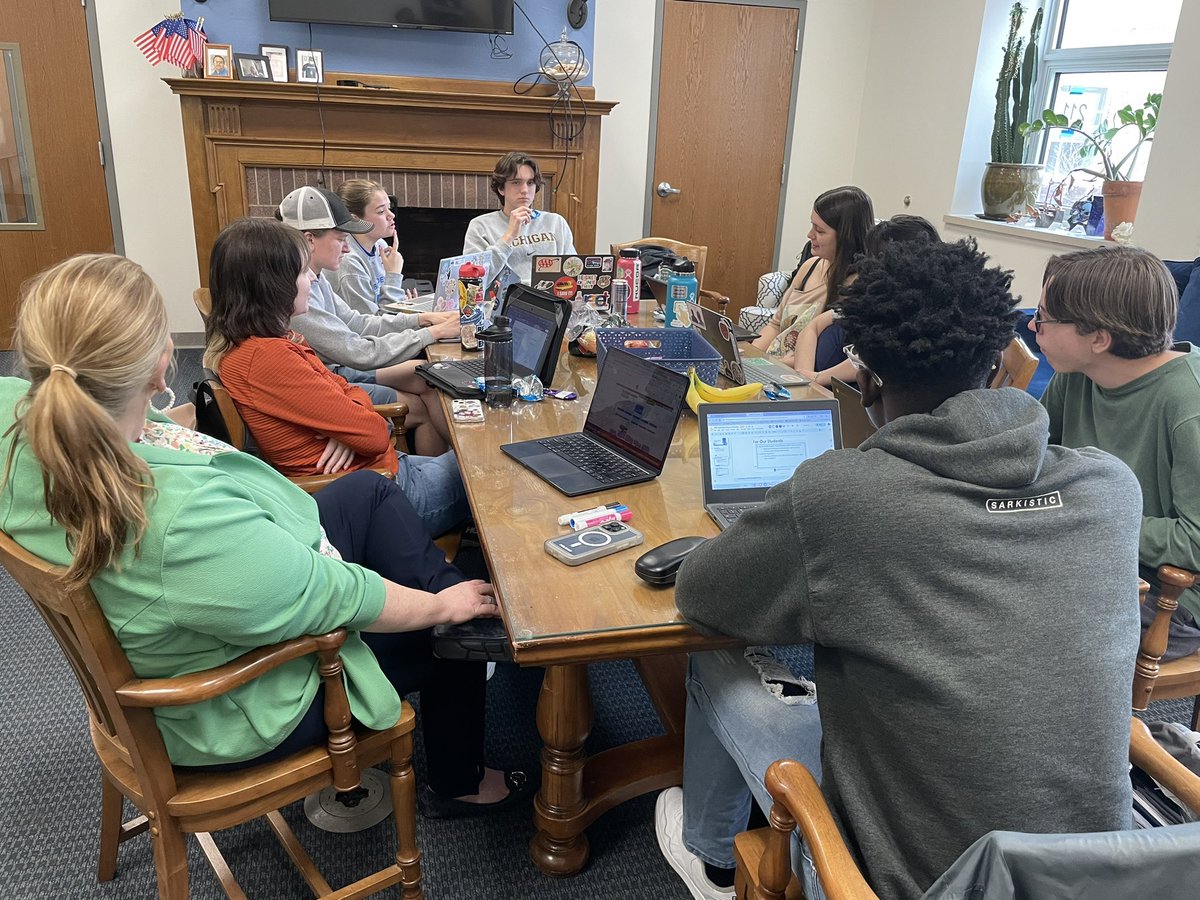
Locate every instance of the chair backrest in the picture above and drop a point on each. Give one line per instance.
(1017, 366)
(98, 661)
(203, 300)
(1172, 582)
(697, 253)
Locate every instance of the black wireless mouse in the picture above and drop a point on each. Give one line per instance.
(659, 565)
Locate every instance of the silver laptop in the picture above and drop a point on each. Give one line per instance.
(748, 448)
(718, 330)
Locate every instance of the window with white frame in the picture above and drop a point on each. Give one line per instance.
(1098, 57)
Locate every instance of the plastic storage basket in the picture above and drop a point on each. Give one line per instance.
(675, 348)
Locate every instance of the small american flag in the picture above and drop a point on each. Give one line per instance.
(175, 40)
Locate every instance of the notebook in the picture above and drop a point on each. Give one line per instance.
(856, 424)
(748, 448)
(635, 408)
(718, 330)
(538, 325)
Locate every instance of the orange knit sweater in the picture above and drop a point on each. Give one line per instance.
(292, 405)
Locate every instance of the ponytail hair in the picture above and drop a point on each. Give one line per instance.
(356, 193)
(90, 332)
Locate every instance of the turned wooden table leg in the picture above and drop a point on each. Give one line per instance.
(564, 717)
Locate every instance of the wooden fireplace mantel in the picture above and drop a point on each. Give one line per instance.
(410, 125)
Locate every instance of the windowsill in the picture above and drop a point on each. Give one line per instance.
(1038, 235)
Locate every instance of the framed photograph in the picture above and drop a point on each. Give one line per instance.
(251, 67)
(310, 66)
(277, 57)
(218, 61)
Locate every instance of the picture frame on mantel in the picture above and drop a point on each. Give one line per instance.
(310, 66)
(218, 61)
(251, 67)
(277, 56)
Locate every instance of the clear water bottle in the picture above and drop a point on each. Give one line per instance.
(498, 363)
(682, 288)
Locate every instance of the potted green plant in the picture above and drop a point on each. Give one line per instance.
(1121, 195)
(1009, 184)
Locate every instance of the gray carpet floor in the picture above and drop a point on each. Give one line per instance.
(51, 782)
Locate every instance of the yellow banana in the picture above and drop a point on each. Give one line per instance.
(693, 397)
(710, 394)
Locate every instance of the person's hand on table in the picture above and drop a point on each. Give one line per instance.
(516, 220)
(336, 457)
(448, 327)
(469, 600)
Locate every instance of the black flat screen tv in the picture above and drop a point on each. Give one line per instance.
(449, 15)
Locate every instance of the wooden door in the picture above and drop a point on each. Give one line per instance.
(61, 109)
(725, 88)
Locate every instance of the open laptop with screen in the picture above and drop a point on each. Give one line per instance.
(635, 408)
(537, 324)
(748, 448)
(718, 331)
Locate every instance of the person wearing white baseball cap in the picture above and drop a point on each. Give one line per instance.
(362, 348)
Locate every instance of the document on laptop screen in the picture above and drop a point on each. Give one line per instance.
(531, 334)
(761, 449)
(636, 406)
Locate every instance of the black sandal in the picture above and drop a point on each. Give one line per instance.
(434, 806)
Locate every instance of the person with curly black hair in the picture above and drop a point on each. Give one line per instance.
(970, 591)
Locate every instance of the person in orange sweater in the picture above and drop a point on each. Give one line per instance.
(305, 419)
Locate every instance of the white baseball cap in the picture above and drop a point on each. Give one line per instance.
(316, 209)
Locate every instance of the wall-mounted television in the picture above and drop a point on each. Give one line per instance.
(449, 15)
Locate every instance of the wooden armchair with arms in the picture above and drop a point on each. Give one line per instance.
(1017, 366)
(697, 253)
(178, 801)
(764, 869)
(1153, 680)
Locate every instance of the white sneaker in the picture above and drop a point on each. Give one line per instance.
(668, 826)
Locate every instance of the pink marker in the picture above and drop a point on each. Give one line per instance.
(621, 514)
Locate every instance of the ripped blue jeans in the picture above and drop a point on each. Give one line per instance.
(735, 729)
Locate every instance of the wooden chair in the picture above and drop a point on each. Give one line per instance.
(203, 300)
(697, 253)
(176, 801)
(1017, 366)
(764, 870)
(1180, 677)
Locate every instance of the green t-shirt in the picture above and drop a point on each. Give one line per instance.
(230, 561)
(1152, 424)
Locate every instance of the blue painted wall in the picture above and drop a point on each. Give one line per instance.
(396, 51)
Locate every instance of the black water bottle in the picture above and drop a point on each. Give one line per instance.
(498, 363)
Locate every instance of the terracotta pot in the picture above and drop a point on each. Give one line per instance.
(1120, 204)
(1009, 189)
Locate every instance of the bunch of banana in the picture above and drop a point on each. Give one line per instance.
(700, 392)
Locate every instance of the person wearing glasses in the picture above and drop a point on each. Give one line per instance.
(970, 592)
(516, 232)
(1105, 323)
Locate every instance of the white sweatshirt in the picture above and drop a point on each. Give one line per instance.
(546, 235)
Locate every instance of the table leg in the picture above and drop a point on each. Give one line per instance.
(564, 718)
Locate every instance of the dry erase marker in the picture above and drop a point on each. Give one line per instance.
(623, 514)
(586, 513)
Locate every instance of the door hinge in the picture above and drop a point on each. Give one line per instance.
(783, 174)
(797, 39)
(100, 148)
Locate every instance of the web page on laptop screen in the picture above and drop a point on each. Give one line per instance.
(761, 449)
(635, 406)
(531, 333)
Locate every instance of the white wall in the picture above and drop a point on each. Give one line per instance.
(148, 158)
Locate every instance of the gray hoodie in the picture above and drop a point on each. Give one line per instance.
(341, 336)
(972, 596)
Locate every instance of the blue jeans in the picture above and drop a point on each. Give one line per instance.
(1187, 277)
(733, 732)
(380, 393)
(434, 487)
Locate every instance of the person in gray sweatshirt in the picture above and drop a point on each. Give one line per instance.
(971, 593)
(516, 232)
(365, 349)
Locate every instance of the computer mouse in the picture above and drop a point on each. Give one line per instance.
(659, 565)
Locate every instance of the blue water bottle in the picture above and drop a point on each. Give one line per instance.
(682, 287)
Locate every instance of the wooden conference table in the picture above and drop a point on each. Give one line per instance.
(564, 617)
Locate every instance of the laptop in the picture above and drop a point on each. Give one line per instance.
(856, 424)
(538, 324)
(718, 330)
(572, 275)
(635, 408)
(748, 448)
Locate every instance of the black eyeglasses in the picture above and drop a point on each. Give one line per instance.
(1039, 320)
